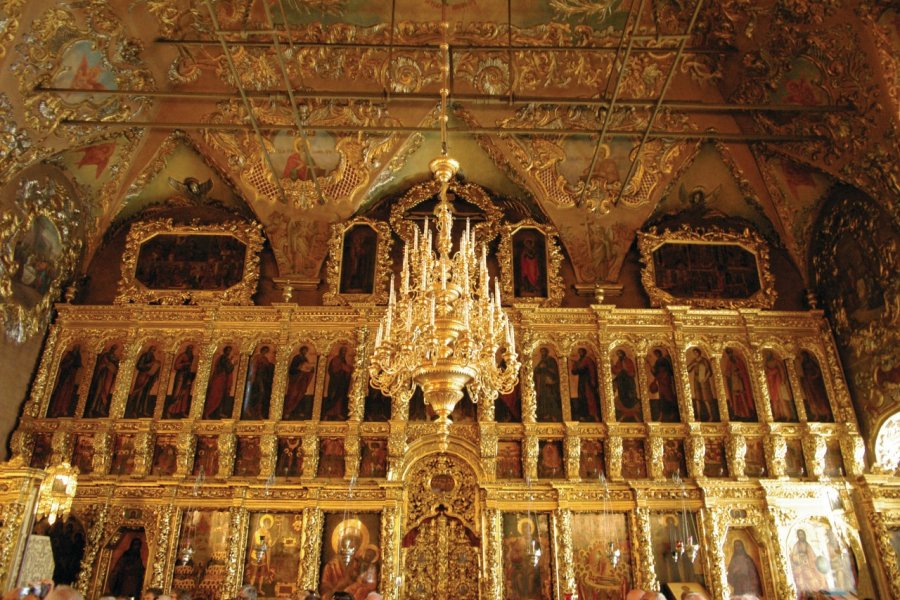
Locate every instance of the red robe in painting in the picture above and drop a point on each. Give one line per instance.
(219, 386)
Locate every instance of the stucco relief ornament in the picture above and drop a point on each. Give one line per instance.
(38, 253)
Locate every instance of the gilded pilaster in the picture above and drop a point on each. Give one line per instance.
(614, 458)
(695, 452)
(655, 456)
(310, 548)
(124, 375)
(775, 448)
(166, 526)
(97, 516)
(562, 518)
(204, 365)
(390, 571)
(814, 450)
(227, 448)
(351, 451)
(237, 535)
(492, 588)
(645, 574)
(736, 453)
(572, 449)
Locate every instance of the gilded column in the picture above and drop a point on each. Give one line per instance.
(656, 466)
(853, 450)
(886, 551)
(237, 530)
(98, 518)
(736, 451)
(166, 526)
(313, 521)
(125, 374)
(572, 448)
(488, 441)
(204, 365)
(565, 558)
(310, 444)
(814, 450)
(695, 450)
(614, 458)
(226, 455)
(645, 575)
(390, 571)
(493, 555)
(268, 449)
(279, 383)
(46, 375)
(776, 454)
(187, 446)
(716, 528)
(351, 451)
(103, 446)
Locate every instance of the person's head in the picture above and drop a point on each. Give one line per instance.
(64, 592)
(248, 592)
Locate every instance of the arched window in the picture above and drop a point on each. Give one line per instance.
(887, 445)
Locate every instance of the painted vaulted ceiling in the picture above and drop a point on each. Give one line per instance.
(598, 114)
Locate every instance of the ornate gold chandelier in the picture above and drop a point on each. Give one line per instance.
(57, 492)
(444, 330)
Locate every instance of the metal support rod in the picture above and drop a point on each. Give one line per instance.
(662, 94)
(281, 95)
(436, 47)
(607, 119)
(534, 131)
(254, 124)
(298, 120)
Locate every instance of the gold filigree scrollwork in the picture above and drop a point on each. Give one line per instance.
(54, 37)
(485, 230)
(552, 262)
(651, 241)
(381, 264)
(43, 208)
(132, 290)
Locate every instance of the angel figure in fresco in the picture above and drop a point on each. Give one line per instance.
(64, 398)
(219, 387)
(737, 384)
(585, 367)
(779, 388)
(102, 383)
(700, 371)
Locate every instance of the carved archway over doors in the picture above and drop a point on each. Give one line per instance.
(441, 549)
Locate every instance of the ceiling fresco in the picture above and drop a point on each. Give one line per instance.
(597, 116)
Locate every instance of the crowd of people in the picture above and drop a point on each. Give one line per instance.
(47, 591)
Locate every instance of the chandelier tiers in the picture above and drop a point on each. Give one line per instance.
(444, 330)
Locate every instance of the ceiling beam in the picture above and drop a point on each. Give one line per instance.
(282, 95)
(534, 131)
